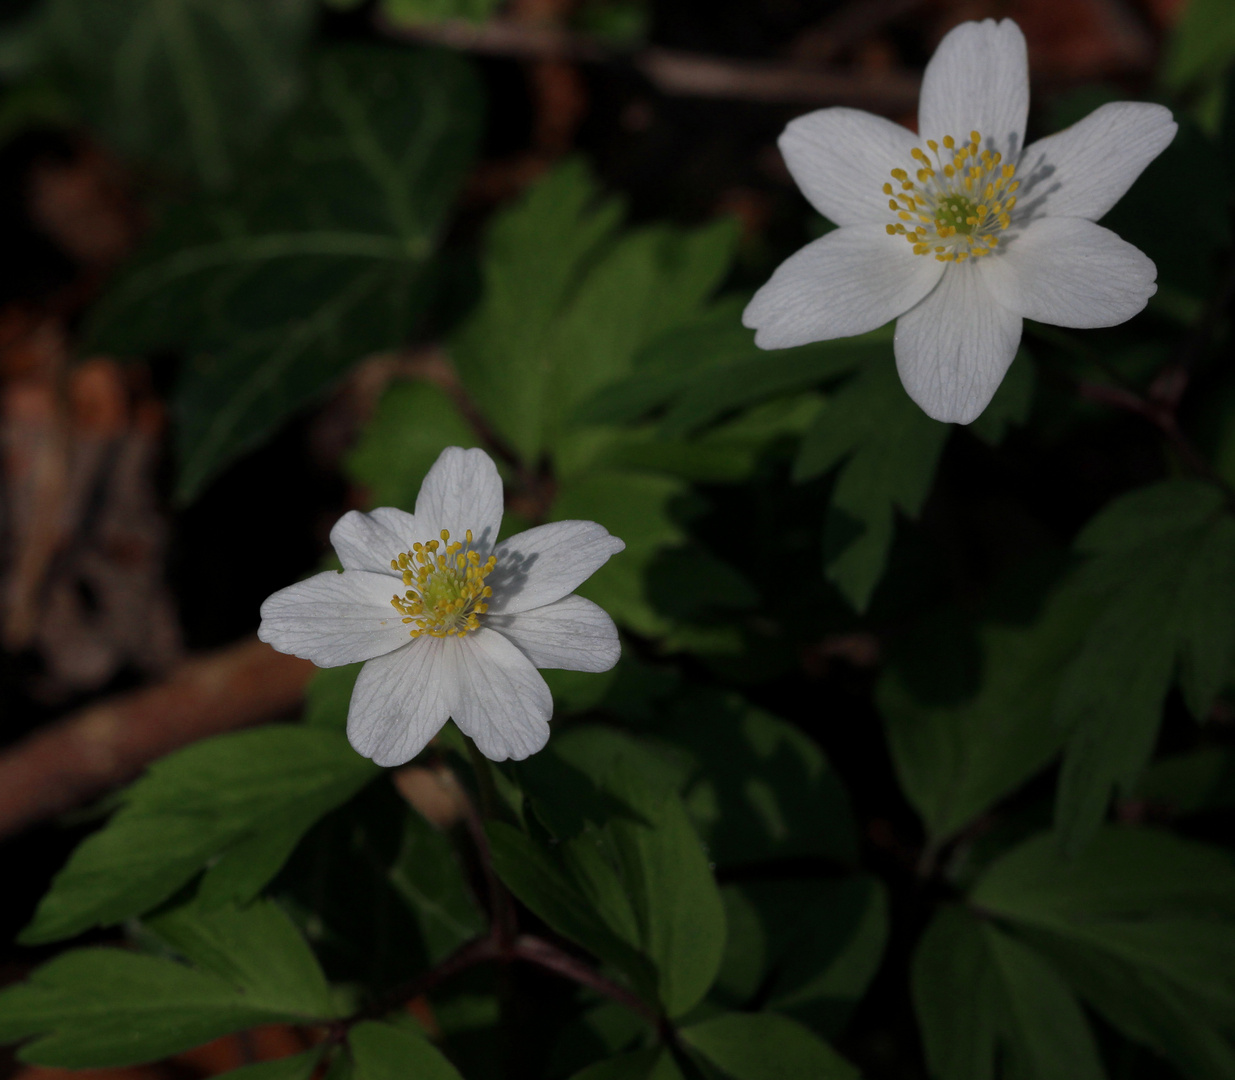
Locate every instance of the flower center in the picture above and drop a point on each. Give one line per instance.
(956, 206)
(448, 589)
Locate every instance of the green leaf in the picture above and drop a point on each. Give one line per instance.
(956, 761)
(1202, 45)
(764, 1046)
(97, 1007)
(1162, 564)
(190, 807)
(194, 84)
(395, 1052)
(758, 788)
(426, 873)
(296, 1067)
(989, 1006)
(676, 902)
(808, 949)
(318, 261)
(635, 507)
(540, 881)
(328, 696)
(654, 1064)
(1191, 783)
(1010, 405)
(258, 950)
(890, 449)
(413, 423)
(567, 304)
(1143, 926)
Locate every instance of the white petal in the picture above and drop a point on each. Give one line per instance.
(1070, 272)
(402, 699)
(334, 618)
(953, 349)
(502, 701)
(841, 158)
(543, 564)
(365, 542)
(978, 79)
(571, 633)
(1084, 170)
(847, 282)
(400, 523)
(461, 491)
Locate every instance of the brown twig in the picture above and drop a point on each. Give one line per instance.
(548, 956)
(672, 71)
(70, 762)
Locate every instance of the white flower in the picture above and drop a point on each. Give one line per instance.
(960, 232)
(451, 624)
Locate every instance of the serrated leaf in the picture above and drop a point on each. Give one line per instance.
(426, 873)
(540, 882)
(1163, 567)
(413, 423)
(808, 949)
(194, 84)
(956, 761)
(567, 304)
(890, 449)
(1143, 925)
(190, 807)
(758, 788)
(256, 949)
(764, 1046)
(989, 1006)
(317, 261)
(98, 1007)
(395, 1052)
(676, 902)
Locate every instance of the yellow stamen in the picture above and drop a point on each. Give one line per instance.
(446, 591)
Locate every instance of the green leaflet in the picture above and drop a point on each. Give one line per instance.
(427, 875)
(890, 449)
(988, 1006)
(807, 949)
(1143, 926)
(295, 1067)
(567, 304)
(97, 1007)
(955, 761)
(632, 873)
(317, 261)
(394, 1052)
(1162, 567)
(191, 806)
(764, 1046)
(192, 84)
(413, 423)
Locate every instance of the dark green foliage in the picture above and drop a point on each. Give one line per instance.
(391, 1052)
(192, 84)
(109, 1007)
(245, 797)
(1161, 569)
(319, 259)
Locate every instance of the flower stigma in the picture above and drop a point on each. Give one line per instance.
(448, 590)
(956, 206)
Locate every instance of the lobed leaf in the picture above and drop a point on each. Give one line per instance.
(198, 803)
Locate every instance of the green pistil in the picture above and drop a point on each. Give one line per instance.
(954, 212)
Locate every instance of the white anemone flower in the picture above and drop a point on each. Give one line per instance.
(451, 623)
(960, 232)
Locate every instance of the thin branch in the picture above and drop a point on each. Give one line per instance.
(673, 71)
(66, 764)
(548, 956)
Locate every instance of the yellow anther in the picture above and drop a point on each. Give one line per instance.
(974, 137)
(933, 145)
(917, 155)
(1008, 171)
(948, 142)
(905, 216)
(887, 189)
